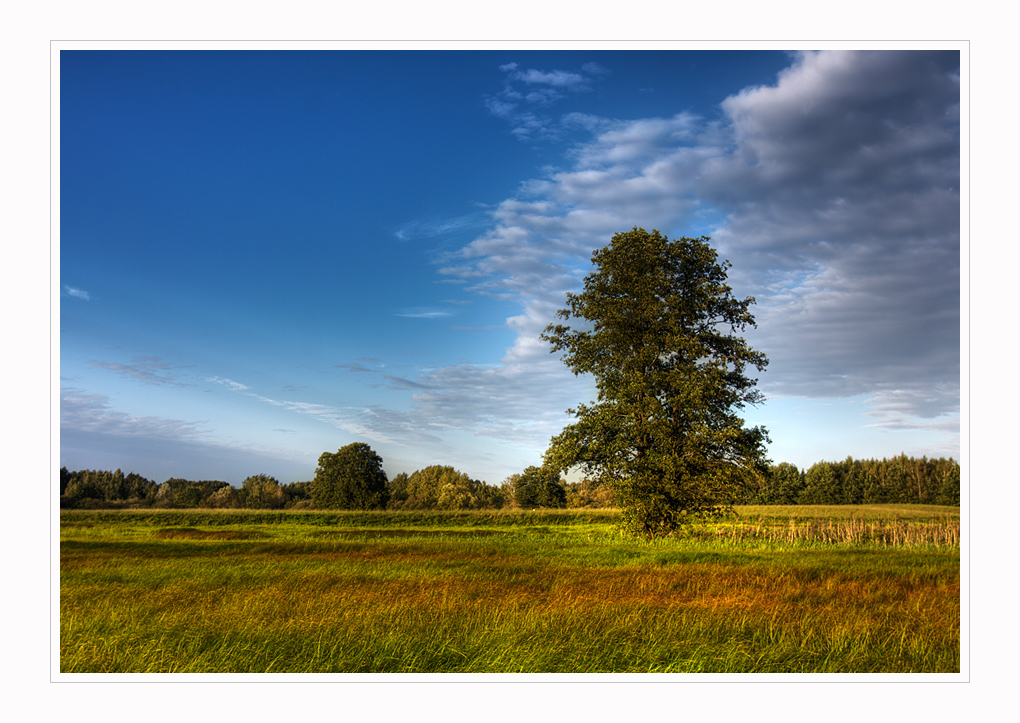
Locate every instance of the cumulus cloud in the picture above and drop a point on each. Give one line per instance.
(835, 192)
(843, 198)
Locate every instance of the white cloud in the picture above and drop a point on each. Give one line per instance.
(915, 409)
(76, 293)
(555, 78)
(834, 192)
(95, 436)
(438, 227)
(232, 385)
(89, 412)
(354, 420)
(846, 175)
(419, 313)
(148, 370)
(528, 90)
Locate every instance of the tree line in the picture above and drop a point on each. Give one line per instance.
(353, 478)
(901, 479)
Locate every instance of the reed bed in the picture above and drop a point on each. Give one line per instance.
(940, 533)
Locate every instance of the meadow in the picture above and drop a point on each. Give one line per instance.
(840, 589)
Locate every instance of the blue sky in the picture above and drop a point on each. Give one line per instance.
(268, 255)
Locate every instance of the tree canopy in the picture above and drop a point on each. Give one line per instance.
(435, 487)
(262, 492)
(538, 487)
(656, 326)
(352, 478)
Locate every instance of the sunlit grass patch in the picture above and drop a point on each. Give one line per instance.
(493, 594)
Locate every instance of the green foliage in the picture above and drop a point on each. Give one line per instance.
(781, 485)
(538, 487)
(353, 478)
(656, 328)
(947, 482)
(588, 494)
(186, 493)
(228, 497)
(262, 492)
(901, 479)
(297, 492)
(101, 487)
(822, 485)
(441, 487)
(397, 491)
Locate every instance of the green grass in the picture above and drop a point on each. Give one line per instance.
(506, 592)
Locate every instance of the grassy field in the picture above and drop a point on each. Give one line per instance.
(779, 590)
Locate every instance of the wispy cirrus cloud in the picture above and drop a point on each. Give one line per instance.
(423, 313)
(147, 370)
(97, 436)
(357, 368)
(230, 384)
(76, 293)
(435, 227)
(91, 412)
(349, 419)
(528, 93)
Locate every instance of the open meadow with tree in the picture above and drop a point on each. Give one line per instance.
(681, 549)
(779, 589)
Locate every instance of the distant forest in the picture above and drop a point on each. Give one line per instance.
(900, 479)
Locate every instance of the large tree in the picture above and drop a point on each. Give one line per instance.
(353, 478)
(657, 328)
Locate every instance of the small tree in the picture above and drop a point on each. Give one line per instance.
(297, 492)
(262, 492)
(539, 487)
(822, 485)
(353, 478)
(225, 498)
(588, 493)
(83, 485)
(139, 488)
(439, 487)
(397, 491)
(656, 329)
(786, 482)
(947, 479)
